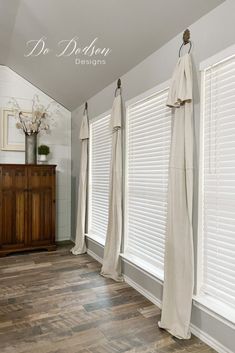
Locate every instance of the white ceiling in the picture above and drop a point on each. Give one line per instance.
(133, 29)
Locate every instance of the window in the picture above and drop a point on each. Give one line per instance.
(99, 169)
(147, 163)
(218, 182)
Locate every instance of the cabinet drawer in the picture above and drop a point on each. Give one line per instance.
(41, 177)
(13, 178)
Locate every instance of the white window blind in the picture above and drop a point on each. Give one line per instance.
(100, 158)
(148, 150)
(219, 182)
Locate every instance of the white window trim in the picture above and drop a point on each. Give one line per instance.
(200, 193)
(88, 234)
(96, 239)
(214, 307)
(141, 265)
(148, 268)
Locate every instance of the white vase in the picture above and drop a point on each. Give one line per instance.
(42, 158)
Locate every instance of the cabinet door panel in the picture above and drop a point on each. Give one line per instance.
(12, 220)
(47, 214)
(35, 214)
(20, 216)
(41, 216)
(13, 203)
(41, 183)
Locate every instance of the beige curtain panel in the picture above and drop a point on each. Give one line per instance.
(80, 245)
(179, 262)
(111, 262)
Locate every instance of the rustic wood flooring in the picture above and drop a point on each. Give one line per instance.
(58, 303)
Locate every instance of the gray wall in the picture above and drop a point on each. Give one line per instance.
(211, 34)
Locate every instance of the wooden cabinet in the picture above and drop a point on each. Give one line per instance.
(27, 207)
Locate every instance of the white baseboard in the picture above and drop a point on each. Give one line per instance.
(143, 291)
(195, 330)
(220, 348)
(216, 345)
(96, 257)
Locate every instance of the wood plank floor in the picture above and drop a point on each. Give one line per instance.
(58, 303)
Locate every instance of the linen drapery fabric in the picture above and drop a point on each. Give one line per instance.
(111, 261)
(80, 245)
(179, 255)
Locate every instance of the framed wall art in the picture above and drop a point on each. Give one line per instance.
(12, 139)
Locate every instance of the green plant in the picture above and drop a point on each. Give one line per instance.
(43, 149)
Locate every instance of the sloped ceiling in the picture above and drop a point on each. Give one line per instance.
(132, 29)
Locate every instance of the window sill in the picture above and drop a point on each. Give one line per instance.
(144, 267)
(96, 239)
(216, 308)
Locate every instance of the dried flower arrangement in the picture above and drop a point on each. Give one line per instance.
(40, 119)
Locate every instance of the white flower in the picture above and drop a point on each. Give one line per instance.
(19, 125)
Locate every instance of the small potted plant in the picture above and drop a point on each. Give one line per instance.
(43, 152)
